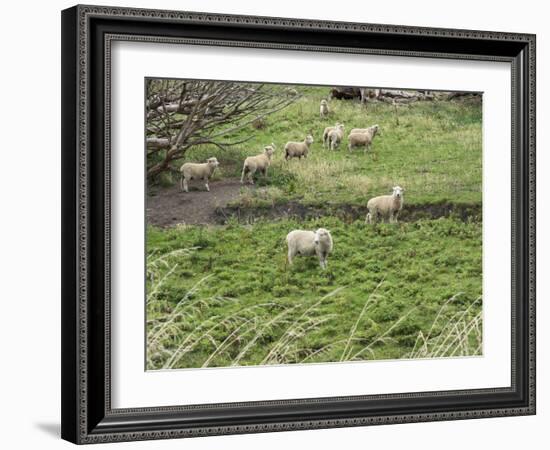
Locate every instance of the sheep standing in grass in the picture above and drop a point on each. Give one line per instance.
(310, 243)
(326, 141)
(298, 149)
(259, 163)
(197, 171)
(335, 136)
(323, 108)
(385, 206)
(362, 137)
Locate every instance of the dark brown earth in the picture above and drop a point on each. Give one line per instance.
(169, 206)
(349, 213)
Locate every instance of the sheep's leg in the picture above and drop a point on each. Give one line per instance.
(368, 219)
(185, 186)
(251, 176)
(181, 183)
(243, 174)
(373, 216)
(290, 256)
(206, 184)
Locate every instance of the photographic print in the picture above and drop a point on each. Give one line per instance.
(300, 224)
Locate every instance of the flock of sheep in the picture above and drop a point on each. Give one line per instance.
(303, 242)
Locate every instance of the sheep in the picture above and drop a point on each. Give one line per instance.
(386, 206)
(323, 109)
(198, 171)
(335, 136)
(298, 149)
(310, 243)
(367, 93)
(362, 137)
(326, 132)
(258, 163)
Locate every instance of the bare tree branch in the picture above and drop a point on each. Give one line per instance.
(182, 114)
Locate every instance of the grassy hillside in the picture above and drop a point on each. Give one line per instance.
(433, 149)
(222, 295)
(404, 273)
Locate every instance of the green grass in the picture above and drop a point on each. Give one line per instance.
(222, 296)
(432, 148)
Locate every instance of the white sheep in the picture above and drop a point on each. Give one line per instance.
(310, 243)
(385, 206)
(259, 163)
(323, 108)
(298, 149)
(326, 132)
(197, 171)
(335, 136)
(362, 137)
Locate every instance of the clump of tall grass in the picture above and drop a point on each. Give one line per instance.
(459, 335)
(193, 332)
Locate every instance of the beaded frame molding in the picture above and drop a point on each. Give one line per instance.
(87, 34)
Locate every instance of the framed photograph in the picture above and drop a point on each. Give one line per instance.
(280, 224)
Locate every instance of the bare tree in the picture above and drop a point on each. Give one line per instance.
(185, 113)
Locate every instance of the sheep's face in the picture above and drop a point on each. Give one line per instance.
(320, 234)
(213, 162)
(398, 191)
(309, 139)
(341, 126)
(323, 103)
(375, 130)
(269, 150)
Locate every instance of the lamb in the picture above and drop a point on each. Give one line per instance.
(326, 141)
(310, 243)
(298, 149)
(385, 206)
(335, 136)
(362, 137)
(323, 109)
(198, 171)
(259, 163)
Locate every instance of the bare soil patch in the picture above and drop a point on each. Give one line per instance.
(170, 206)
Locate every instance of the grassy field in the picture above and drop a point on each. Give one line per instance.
(433, 149)
(221, 295)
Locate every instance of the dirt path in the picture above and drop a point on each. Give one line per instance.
(170, 206)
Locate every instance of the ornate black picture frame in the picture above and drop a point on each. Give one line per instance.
(87, 34)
